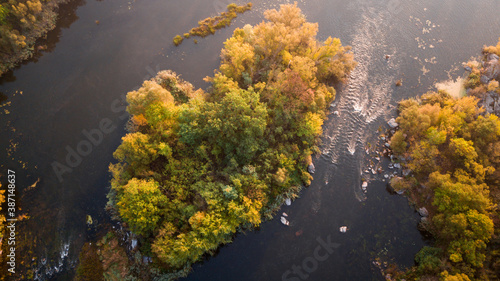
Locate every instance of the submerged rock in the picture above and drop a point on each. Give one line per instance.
(485, 79)
(491, 57)
(423, 212)
(392, 123)
(491, 102)
(285, 221)
(311, 169)
(424, 224)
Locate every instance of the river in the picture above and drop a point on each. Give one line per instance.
(51, 102)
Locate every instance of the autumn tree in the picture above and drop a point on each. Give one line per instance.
(450, 144)
(141, 205)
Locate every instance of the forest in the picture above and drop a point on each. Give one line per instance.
(452, 147)
(21, 23)
(198, 166)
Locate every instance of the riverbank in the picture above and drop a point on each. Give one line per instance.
(22, 25)
(449, 146)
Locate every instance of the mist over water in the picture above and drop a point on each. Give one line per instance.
(81, 80)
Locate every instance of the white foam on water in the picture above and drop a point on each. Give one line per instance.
(365, 98)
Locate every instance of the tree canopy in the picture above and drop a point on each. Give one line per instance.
(448, 143)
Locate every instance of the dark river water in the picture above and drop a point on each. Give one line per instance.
(51, 104)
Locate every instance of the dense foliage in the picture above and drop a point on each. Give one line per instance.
(21, 23)
(210, 25)
(198, 166)
(453, 148)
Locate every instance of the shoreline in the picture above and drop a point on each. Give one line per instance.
(49, 17)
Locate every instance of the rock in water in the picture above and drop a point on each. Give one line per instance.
(423, 212)
(288, 202)
(284, 221)
(392, 123)
(493, 57)
(485, 79)
(311, 169)
(343, 229)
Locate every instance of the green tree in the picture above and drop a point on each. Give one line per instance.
(429, 260)
(398, 143)
(141, 205)
(138, 151)
(233, 127)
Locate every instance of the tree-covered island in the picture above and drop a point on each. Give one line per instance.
(198, 166)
